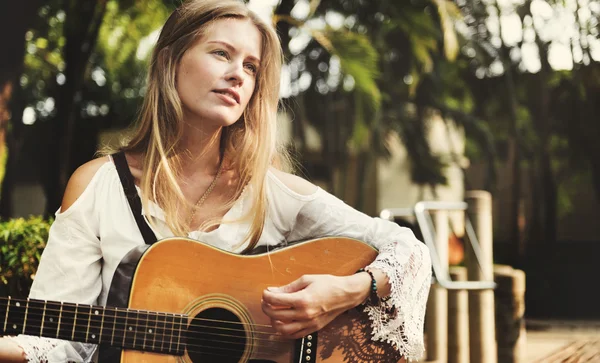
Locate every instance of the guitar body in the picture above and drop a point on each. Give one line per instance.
(220, 293)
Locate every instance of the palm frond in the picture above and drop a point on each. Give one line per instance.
(448, 13)
(358, 58)
(314, 4)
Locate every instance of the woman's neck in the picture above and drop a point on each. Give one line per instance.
(202, 149)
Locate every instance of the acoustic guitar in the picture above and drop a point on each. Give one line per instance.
(190, 302)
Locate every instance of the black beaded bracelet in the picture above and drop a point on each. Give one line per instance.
(373, 298)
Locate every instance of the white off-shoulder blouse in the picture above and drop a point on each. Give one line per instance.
(90, 238)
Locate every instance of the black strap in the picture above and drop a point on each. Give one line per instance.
(131, 193)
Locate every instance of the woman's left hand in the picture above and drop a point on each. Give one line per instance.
(313, 301)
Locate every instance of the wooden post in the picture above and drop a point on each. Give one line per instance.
(510, 314)
(437, 305)
(482, 329)
(458, 319)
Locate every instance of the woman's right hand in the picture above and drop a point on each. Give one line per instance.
(10, 352)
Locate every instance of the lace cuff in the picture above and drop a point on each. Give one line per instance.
(48, 350)
(398, 319)
(36, 349)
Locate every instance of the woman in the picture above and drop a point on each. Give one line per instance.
(207, 166)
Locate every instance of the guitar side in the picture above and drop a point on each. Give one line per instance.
(185, 276)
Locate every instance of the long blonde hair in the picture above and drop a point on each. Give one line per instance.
(249, 145)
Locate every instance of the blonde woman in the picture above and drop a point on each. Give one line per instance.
(206, 164)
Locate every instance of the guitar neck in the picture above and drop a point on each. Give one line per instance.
(120, 327)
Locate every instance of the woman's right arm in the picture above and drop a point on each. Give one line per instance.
(69, 270)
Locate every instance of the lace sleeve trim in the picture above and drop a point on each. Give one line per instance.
(36, 349)
(398, 320)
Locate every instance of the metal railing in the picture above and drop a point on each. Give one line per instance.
(425, 223)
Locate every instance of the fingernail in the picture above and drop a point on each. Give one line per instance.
(273, 289)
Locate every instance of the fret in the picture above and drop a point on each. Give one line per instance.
(169, 330)
(74, 322)
(51, 319)
(59, 319)
(43, 317)
(4, 311)
(26, 303)
(66, 329)
(108, 325)
(179, 327)
(101, 325)
(129, 334)
(120, 327)
(95, 324)
(163, 331)
(159, 335)
(154, 326)
(144, 329)
(15, 322)
(133, 326)
(80, 326)
(34, 317)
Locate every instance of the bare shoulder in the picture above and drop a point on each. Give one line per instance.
(80, 180)
(295, 183)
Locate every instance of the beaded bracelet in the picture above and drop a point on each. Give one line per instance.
(373, 298)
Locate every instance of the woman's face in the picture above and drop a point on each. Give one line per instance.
(217, 74)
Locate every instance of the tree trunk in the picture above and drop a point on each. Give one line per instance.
(514, 152)
(546, 176)
(15, 19)
(83, 20)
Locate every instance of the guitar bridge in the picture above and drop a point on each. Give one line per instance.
(306, 349)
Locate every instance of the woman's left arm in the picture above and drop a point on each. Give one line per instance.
(402, 271)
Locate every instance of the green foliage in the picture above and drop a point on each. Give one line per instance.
(21, 244)
(125, 41)
(3, 159)
(124, 28)
(359, 59)
(449, 13)
(44, 60)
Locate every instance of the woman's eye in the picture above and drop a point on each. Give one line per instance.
(251, 67)
(220, 53)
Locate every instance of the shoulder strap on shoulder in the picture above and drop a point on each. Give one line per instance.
(135, 203)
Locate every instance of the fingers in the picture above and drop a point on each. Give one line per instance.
(296, 329)
(303, 333)
(287, 295)
(296, 285)
(294, 309)
(287, 314)
(282, 299)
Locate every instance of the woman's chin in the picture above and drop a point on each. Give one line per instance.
(216, 121)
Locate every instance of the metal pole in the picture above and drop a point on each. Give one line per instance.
(482, 328)
(458, 319)
(437, 309)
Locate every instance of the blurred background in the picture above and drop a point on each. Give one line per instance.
(386, 103)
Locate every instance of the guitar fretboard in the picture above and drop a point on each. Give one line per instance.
(125, 328)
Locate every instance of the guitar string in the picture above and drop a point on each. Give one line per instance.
(87, 316)
(275, 351)
(175, 326)
(132, 311)
(274, 338)
(134, 339)
(270, 336)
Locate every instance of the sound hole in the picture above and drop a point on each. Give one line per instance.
(216, 335)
